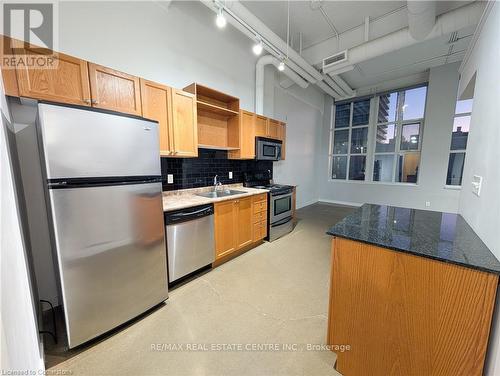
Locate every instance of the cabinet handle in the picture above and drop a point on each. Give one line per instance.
(87, 101)
(94, 101)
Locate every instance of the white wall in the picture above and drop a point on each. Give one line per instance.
(176, 47)
(302, 110)
(18, 329)
(440, 107)
(483, 152)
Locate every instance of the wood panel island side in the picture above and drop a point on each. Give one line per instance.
(412, 293)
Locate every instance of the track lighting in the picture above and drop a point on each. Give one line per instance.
(281, 66)
(257, 47)
(220, 21)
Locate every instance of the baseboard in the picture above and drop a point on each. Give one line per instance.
(311, 202)
(346, 203)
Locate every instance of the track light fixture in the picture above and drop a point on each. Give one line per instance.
(258, 47)
(281, 66)
(220, 21)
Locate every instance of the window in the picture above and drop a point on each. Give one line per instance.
(398, 135)
(382, 145)
(350, 140)
(459, 135)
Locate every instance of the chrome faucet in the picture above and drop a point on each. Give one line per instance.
(216, 183)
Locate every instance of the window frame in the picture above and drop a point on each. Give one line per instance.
(371, 153)
(349, 154)
(451, 151)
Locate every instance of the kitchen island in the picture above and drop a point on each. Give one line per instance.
(412, 293)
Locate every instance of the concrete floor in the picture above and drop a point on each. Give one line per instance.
(276, 293)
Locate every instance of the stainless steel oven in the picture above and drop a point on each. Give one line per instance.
(280, 215)
(267, 149)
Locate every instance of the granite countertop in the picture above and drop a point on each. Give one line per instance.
(441, 236)
(186, 198)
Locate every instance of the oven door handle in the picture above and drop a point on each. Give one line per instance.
(289, 193)
(281, 222)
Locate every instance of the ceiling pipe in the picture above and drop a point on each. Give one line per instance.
(447, 23)
(239, 24)
(241, 15)
(335, 87)
(259, 80)
(421, 18)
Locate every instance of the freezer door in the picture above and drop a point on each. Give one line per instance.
(86, 143)
(111, 253)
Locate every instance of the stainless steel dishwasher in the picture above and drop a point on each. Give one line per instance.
(190, 240)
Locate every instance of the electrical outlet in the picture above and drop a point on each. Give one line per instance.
(477, 181)
(427, 204)
(230, 174)
(170, 179)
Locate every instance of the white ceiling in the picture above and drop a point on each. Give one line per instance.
(347, 15)
(409, 61)
(344, 15)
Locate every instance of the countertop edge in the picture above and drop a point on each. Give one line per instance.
(198, 200)
(417, 254)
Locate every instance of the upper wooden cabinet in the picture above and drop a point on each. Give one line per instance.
(260, 126)
(67, 83)
(217, 117)
(175, 112)
(273, 128)
(184, 124)
(8, 73)
(245, 137)
(282, 137)
(157, 105)
(114, 90)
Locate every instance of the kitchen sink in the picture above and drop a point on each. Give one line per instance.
(223, 193)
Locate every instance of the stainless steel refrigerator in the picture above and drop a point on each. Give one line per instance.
(105, 211)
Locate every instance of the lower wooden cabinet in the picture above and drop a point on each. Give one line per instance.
(259, 205)
(244, 225)
(225, 220)
(235, 224)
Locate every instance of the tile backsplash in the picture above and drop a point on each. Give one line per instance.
(200, 172)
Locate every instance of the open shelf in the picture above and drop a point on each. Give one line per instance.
(216, 147)
(209, 107)
(218, 118)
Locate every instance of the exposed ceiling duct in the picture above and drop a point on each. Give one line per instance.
(447, 23)
(259, 80)
(250, 25)
(421, 18)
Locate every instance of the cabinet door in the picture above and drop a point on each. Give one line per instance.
(184, 124)
(67, 83)
(156, 105)
(114, 90)
(273, 129)
(247, 142)
(260, 126)
(225, 227)
(282, 137)
(8, 73)
(244, 222)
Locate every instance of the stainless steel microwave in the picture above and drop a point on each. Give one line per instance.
(267, 149)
